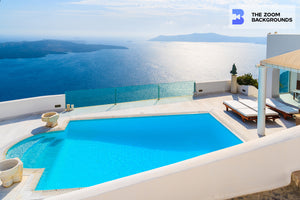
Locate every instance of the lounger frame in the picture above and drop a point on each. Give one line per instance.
(284, 114)
(250, 118)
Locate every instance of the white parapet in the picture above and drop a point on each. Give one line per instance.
(203, 88)
(248, 90)
(15, 108)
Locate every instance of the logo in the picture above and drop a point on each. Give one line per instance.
(238, 20)
(261, 16)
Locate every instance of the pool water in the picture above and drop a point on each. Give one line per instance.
(91, 152)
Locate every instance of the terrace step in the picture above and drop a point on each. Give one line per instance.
(289, 192)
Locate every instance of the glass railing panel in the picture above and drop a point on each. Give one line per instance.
(176, 89)
(137, 93)
(92, 97)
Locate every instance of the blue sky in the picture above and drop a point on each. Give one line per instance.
(120, 18)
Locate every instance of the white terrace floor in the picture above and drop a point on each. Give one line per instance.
(14, 130)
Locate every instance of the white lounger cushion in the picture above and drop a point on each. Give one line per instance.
(288, 109)
(235, 104)
(241, 108)
(254, 105)
(247, 112)
(271, 112)
(249, 103)
(282, 107)
(274, 103)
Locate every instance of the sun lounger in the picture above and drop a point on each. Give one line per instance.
(246, 112)
(254, 105)
(285, 110)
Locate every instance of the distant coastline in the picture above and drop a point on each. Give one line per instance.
(208, 37)
(42, 48)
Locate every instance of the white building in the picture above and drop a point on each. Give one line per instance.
(279, 74)
(282, 83)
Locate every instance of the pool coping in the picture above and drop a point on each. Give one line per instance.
(66, 122)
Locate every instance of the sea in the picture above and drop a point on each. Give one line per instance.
(144, 62)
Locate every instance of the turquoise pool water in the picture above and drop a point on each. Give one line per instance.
(90, 152)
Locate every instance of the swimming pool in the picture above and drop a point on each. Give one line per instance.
(90, 152)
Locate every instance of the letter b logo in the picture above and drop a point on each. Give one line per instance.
(238, 16)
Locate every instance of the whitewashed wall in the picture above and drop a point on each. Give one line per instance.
(10, 109)
(258, 165)
(248, 90)
(212, 87)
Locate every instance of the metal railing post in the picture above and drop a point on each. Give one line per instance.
(158, 92)
(115, 96)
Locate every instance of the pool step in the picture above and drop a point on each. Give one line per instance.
(290, 192)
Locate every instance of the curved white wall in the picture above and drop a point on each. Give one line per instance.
(11, 109)
(258, 165)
